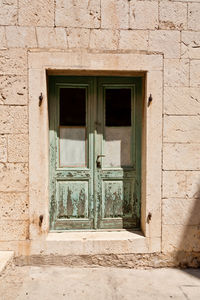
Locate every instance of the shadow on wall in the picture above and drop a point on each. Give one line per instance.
(188, 254)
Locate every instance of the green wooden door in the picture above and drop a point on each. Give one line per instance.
(95, 142)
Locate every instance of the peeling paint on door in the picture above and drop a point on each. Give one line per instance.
(90, 195)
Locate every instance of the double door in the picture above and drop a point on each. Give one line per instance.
(95, 156)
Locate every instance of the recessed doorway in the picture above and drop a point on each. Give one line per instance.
(95, 152)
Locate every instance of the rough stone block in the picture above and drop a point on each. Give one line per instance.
(8, 12)
(193, 185)
(180, 237)
(21, 37)
(3, 43)
(181, 211)
(181, 100)
(165, 41)
(77, 13)
(18, 148)
(115, 14)
(13, 119)
(14, 231)
(143, 14)
(36, 13)
(194, 16)
(173, 15)
(190, 44)
(51, 37)
(176, 72)
(195, 73)
(78, 37)
(14, 206)
(182, 129)
(181, 157)
(174, 184)
(13, 177)
(13, 62)
(4, 115)
(5, 119)
(133, 40)
(19, 115)
(13, 90)
(104, 39)
(3, 148)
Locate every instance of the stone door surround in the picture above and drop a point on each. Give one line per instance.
(150, 67)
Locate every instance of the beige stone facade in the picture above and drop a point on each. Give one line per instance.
(159, 39)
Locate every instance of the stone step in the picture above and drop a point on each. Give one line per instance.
(91, 248)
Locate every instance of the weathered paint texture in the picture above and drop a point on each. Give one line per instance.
(167, 28)
(85, 194)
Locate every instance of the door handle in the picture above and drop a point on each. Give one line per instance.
(98, 161)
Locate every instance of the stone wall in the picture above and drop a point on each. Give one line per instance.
(159, 26)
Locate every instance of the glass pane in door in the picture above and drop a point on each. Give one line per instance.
(117, 129)
(73, 133)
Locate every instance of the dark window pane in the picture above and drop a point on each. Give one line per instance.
(72, 107)
(118, 107)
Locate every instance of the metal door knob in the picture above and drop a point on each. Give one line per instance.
(98, 161)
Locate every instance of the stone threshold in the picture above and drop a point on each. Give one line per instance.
(119, 248)
(120, 234)
(96, 242)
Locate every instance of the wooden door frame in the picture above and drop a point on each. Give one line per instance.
(95, 103)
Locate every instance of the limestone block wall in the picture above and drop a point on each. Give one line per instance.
(169, 27)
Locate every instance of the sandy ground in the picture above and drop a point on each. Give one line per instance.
(52, 282)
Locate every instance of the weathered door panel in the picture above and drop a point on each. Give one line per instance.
(71, 153)
(94, 152)
(116, 187)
